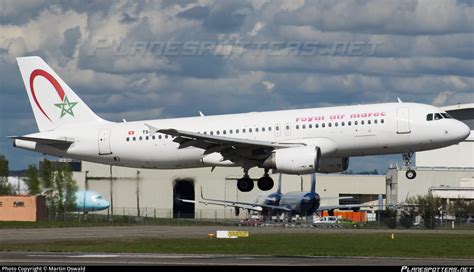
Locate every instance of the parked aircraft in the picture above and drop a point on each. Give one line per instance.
(299, 141)
(86, 200)
(89, 201)
(292, 203)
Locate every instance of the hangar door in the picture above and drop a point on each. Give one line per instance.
(403, 121)
(183, 188)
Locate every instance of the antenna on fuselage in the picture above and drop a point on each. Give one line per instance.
(399, 100)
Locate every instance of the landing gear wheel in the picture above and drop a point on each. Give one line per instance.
(245, 184)
(410, 174)
(265, 183)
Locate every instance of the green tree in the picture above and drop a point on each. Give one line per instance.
(429, 207)
(46, 173)
(64, 197)
(390, 218)
(32, 181)
(5, 187)
(407, 218)
(70, 188)
(461, 209)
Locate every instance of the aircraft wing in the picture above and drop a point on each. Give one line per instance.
(241, 205)
(347, 206)
(336, 197)
(238, 204)
(230, 148)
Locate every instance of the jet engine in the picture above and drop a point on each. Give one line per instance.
(333, 165)
(310, 203)
(294, 160)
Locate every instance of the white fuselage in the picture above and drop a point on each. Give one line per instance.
(340, 132)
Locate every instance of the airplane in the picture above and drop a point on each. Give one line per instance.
(90, 201)
(85, 200)
(291, 203)
(298, 141)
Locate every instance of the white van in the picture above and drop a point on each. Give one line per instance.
(326, 220)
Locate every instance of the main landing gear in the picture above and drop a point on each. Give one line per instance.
(410, 174)
(246, 184)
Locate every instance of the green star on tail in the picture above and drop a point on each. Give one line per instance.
(66, 107)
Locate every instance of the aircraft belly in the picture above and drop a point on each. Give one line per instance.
(190, 157)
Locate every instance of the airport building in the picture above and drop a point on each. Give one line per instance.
(154, 192)
(446, 172)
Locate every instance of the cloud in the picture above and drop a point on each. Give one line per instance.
(113, 54)
(258, 26)
(71, 39)
(268, 85)
(227, 16)
(442, 98)
(383, 17)
(195, 13)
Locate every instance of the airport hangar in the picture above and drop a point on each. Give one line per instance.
(446, 172)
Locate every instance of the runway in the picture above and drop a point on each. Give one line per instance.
(169, 232)
(31, 258)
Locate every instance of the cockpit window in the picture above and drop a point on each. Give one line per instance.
(438, 116)
(446, 115)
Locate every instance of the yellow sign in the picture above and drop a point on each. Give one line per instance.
(244, 234)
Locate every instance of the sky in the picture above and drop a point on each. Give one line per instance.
(160, 59)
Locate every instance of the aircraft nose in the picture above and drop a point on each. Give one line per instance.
(463, 131)
(105, 204)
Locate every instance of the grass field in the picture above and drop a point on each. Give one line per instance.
(404, 245)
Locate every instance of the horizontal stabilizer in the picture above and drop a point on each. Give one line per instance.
(63, 144)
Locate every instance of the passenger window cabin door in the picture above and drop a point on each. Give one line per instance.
(403, 121)
(104, 141)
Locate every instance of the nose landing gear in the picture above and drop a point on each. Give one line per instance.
(410, 174)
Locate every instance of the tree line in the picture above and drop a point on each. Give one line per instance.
(52, 180)
(431, 209)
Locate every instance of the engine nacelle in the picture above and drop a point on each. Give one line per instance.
(333, 165)
(294, 160)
